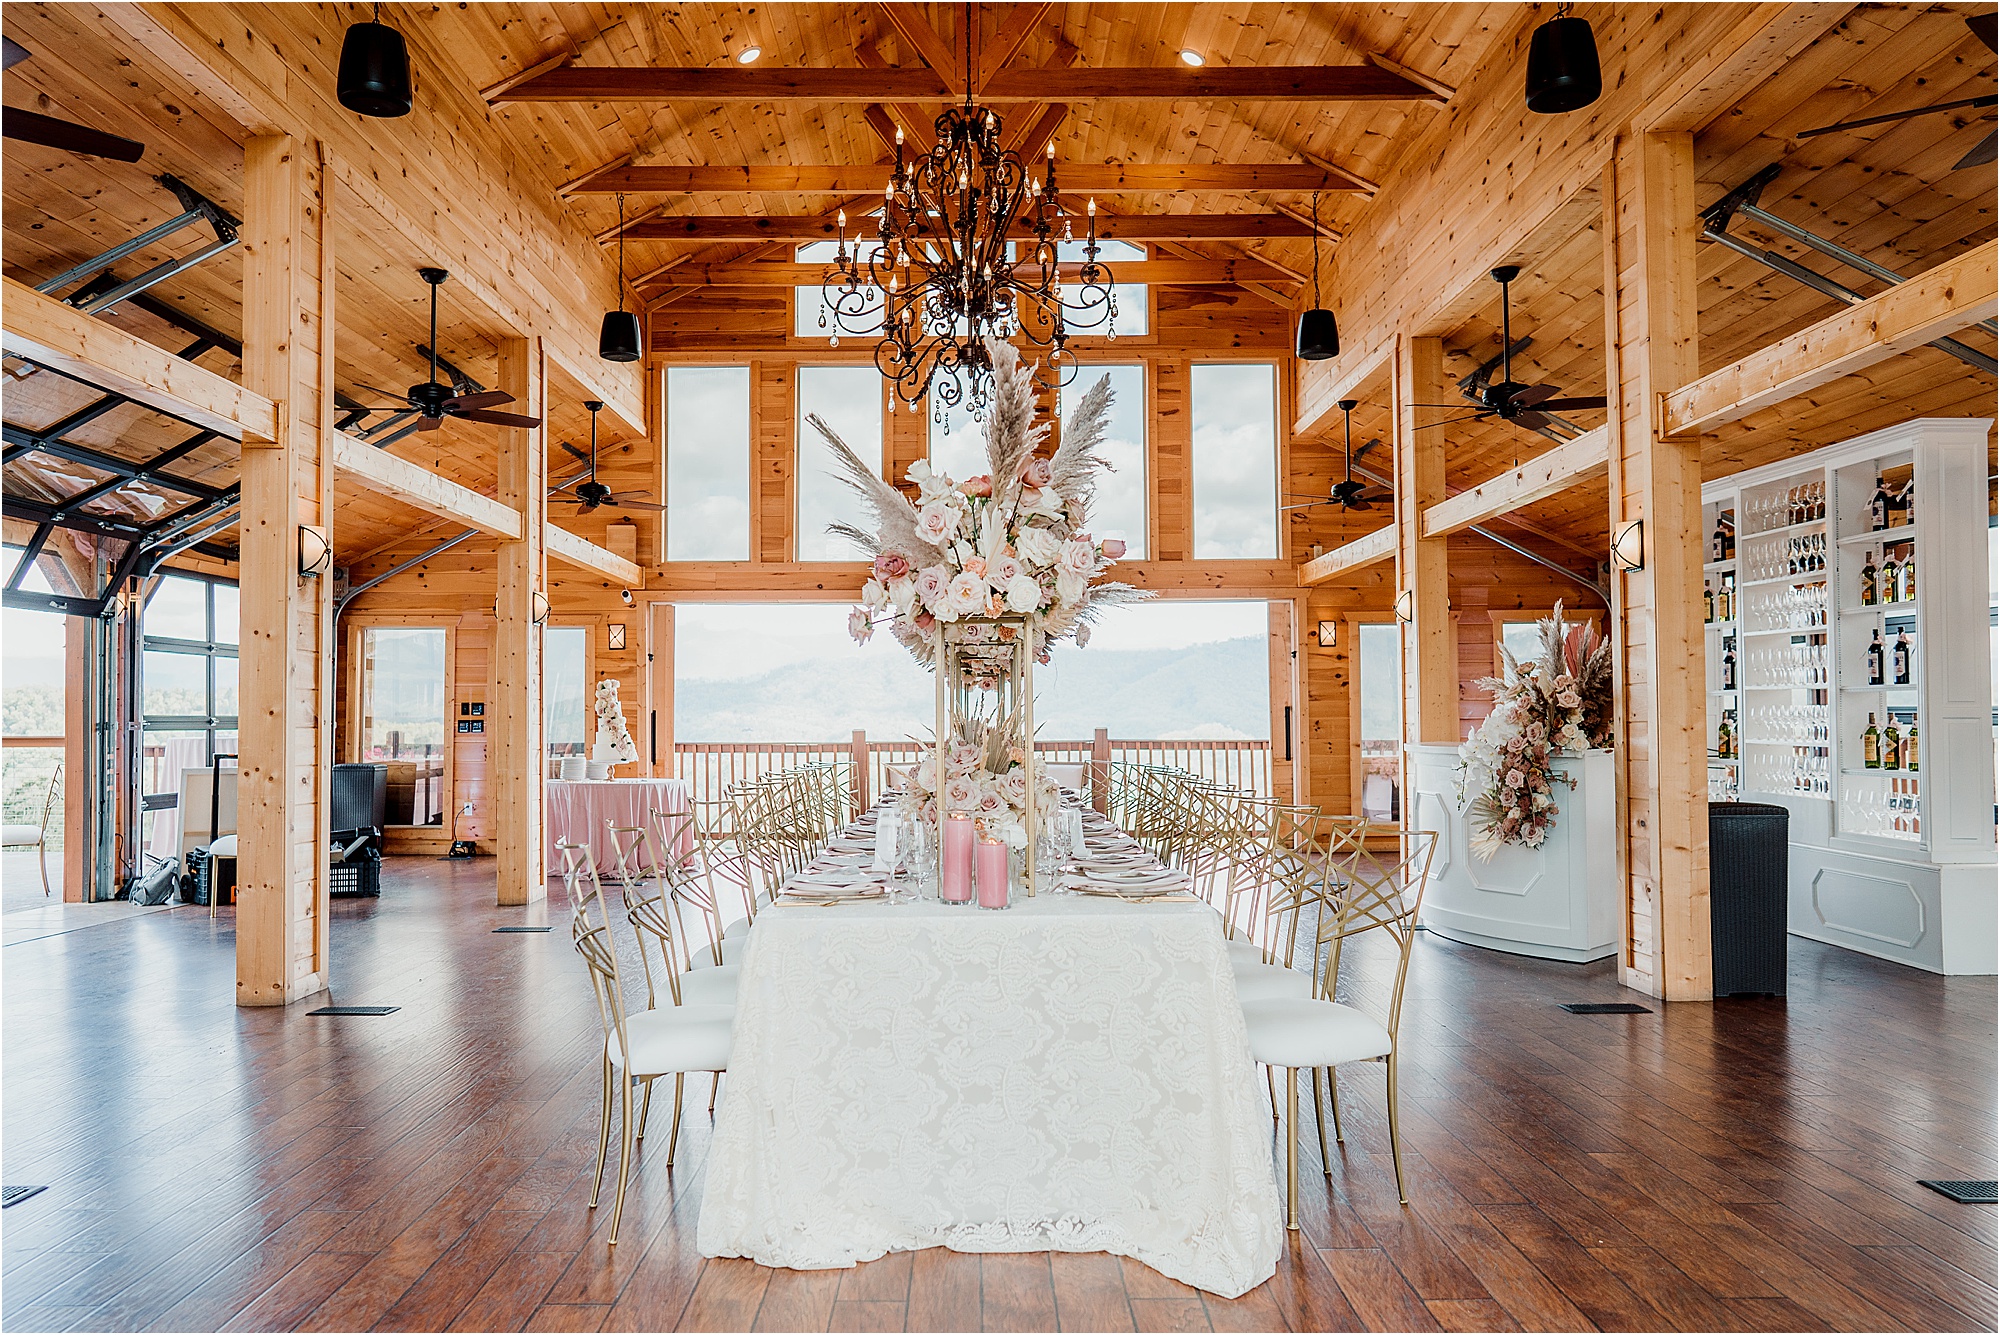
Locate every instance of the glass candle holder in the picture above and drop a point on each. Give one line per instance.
(957, 859)
(991, 866)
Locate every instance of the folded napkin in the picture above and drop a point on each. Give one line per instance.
(885, 847)
(833, 894)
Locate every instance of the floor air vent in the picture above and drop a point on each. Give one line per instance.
(520, 929)
(1604, 1008)
(355, 1010)
(15, 1195)
(1969, 1192)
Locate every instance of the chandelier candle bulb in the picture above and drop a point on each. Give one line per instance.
(957, 858)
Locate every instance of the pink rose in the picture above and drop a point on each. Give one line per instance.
(1037, 471)
(991, 803)
(925, 621)
(959, 793)
(1078, 557)
(1515, 778)
(977, 486)
(1113, 548)
(891, 565)
(859, 626)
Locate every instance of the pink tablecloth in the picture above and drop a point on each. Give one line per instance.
(578, 810)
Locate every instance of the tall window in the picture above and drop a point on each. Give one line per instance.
(566, 690)
(1169, 668)
(1379, 678)
(187, 693)
(769, 672)
(1119, 509)
(403, 689)
(848, 399)
(1236, 461)
(708, 463)
(1131, 297)
(33, 678)
(958, 443)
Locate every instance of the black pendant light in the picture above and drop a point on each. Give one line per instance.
(1319, 337)
(619, 340)
(374, 70)
(1562, 65)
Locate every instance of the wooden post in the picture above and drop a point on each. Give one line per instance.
(857, 751)
(1100, 769)
(285, 736)
(1430, 658)
(1651, 326)
(516, 746)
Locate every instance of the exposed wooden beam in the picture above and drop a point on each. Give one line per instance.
(1142, 271)
(1363, 551)
(1953, 295)
(493, 92)
(1014, 33)
(1442, 92)
(1035, 139)
(920, 37)
(57, 335)
(1238, 83)
(1546, 474)
(1123, 227)
(566, 546)
(382, 472)
(1351, 180)
(1138, 178)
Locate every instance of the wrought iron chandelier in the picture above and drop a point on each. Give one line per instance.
(942, 275)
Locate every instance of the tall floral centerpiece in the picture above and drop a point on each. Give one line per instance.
(977, 578)
(1558, 702)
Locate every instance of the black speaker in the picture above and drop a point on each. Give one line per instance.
(374, 75)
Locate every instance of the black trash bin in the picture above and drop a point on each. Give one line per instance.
(1747, 887)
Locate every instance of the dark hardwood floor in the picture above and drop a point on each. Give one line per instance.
(1750, 1165)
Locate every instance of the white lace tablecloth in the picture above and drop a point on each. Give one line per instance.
(1070, 1075)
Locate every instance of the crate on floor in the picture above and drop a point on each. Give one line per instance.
(361, 875)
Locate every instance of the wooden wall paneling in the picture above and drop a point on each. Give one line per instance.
(285, 733)
(1654, 324)
(1287, 702)
(657, 747)
(514, 713)
(1430, 672)
(471, 680)
(1170, 459)
(773, 436)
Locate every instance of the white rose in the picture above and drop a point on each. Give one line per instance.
(1082, 634)
(1079, 557)
(1024, 595)
(1069, 587)
(937, 523)
(873, 595)
(1038, 547)
(932, 581)
(966, 595)
(1002, 571)
(903, 593)
(959, 793)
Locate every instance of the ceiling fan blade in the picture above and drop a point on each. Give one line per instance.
(1309, 505)
(1358, 503)
(1573, 405)
(491, 398)
(1983, 27)
(617, 504)
(575, 452)
(1384, 495)
(385, 393)
(497, 419)
(1981, 154)
(1532, 395)
(1532, 421)
(1470, 417)
(35, 128)
(1985, 100)
(15, 53)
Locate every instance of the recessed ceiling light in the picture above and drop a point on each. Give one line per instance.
(1192, 57)
(749, 54)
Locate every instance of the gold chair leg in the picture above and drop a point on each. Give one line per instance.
(43, 849)
(1271, 1088)
(1333, 1101)
(1292, 1148)
(603, 1135)
(1319, 1120)
(645, 1110)
(674, 1131)
(714, 1085)
(1395, 1141)
(624, 1153)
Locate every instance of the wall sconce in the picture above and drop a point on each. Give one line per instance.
(1406, 606)
(315, 552)
(538, 607)
(614, 635)
(1329, 634)
(1629, 546)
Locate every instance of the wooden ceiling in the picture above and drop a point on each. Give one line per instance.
(1888, 192)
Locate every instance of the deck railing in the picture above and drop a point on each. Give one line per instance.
(710, 768)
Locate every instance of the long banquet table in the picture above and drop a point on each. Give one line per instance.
(1072, 1074)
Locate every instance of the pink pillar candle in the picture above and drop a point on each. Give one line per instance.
(992, 874)
(958, 858)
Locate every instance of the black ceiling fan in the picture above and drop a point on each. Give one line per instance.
(433, 401)
(590, 493)
(1348, 493)
(1983, 27)
(1510, 401)
(33, 127)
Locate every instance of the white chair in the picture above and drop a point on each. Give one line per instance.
(1318, 1033)
(37, 836)
(639, 1047)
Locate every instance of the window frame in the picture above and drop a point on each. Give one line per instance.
(800, 430)
(752, 529)
(1281, 407)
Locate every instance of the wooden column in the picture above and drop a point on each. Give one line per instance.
(1430, 660)
(1658, 635)
(515, 717)
(285, 737)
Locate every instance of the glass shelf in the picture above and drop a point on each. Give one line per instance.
(1902, 533)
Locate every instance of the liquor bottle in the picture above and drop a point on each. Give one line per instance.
(1722, 738)
(1875, 659)
(1900, 658)
(1707, 602)
(1890, 578)
(1715, 543)
(1908, 500)
(1729, 664)
(1878, 507)
(1728, 608)
(1892, 746)
(1728, 535)
(1908, 582)
(1910, 749)
(1869, 588)
(1871, 746)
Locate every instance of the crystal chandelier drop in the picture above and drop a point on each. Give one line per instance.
(941, 275)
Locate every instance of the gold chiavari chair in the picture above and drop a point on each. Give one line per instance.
(639, 1047)
(1319, 1033)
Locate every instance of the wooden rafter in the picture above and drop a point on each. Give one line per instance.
(399, 479)
(862, 178)
(1363, 551)
(1123, 227)
(587, 555)
(1546, 474)
(945, 60)
(1144, 271)
(1014, 32)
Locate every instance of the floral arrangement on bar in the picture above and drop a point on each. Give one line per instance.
(1557, 703)
(986, 775)
(1012, 543)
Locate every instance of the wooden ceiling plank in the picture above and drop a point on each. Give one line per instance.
(1014, 32)
(1132, 178)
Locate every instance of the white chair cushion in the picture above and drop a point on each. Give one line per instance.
(225, 847)
(735, 930)
(16, 835)
(709, 986)
(1262, 982)
(1299, 1032)
(1244, 952)
(732, 953)
(676, 1038)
